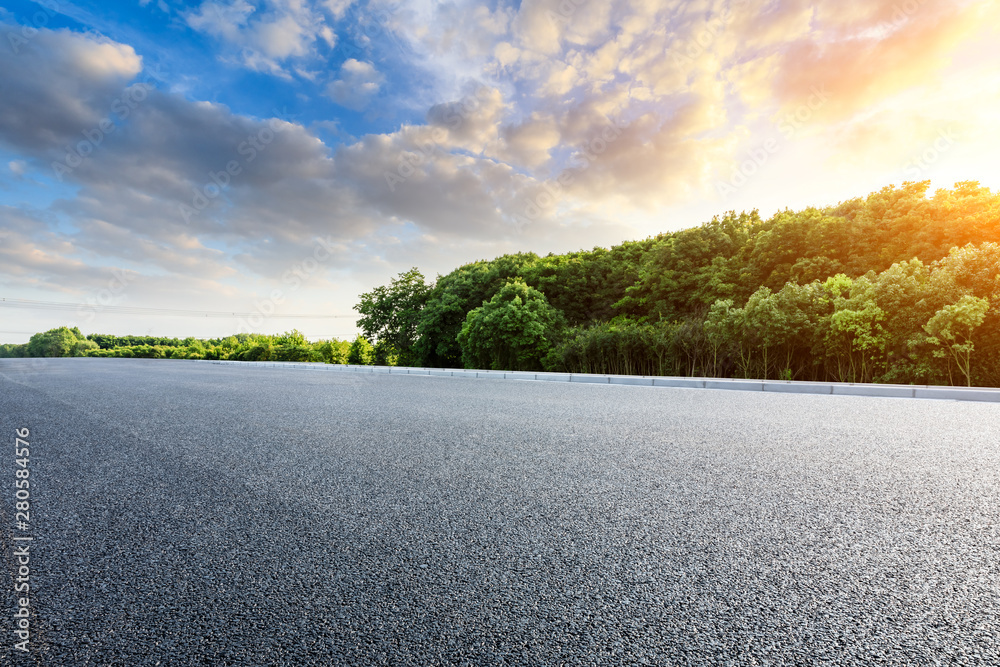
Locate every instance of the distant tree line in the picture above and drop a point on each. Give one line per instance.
(289, 346)
(896, 287)
(61, 342)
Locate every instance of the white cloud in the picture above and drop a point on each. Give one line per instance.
(60, 84)
(222, 19)
(531, 143)
(473, 122)
(268, 36)
(359, 82)
(337, 8)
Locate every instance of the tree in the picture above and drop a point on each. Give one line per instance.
(59, 342)
(453, 296)
(856, 332)
(9, 350)
(333, 351)
(390, 314)
(293, 338)
(83, 348)
(952, 328)
(684, 272)
(295, 353)
(513, 331)
(384, 354)
(720, 333)
(361, 353)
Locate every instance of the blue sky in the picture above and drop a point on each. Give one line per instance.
(279, 157)
(204, 66)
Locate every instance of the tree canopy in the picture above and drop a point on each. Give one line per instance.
(872, 289)
(513, 330)
(390, 314)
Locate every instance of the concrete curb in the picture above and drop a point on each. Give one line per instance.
(985, 395)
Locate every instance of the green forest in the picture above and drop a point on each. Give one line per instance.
(901, 286)
(897, 287)
(289, 346)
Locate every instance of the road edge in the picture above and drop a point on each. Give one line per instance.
(978, 394)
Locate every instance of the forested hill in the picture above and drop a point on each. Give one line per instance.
(900, 286)
(897, 287)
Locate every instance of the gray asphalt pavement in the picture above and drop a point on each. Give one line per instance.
(196, 514)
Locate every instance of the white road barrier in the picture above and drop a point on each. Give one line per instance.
(981, 394)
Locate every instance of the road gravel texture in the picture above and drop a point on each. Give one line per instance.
(198, 514)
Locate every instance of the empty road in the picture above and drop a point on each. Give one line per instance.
(186, 513)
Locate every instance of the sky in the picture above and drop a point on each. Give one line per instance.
(201, 168)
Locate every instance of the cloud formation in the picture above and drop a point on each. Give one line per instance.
(266, 35)
(539, 125)
(358, 83)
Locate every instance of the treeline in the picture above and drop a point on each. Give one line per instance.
(61, 342)
(896, 287)
(289, 346)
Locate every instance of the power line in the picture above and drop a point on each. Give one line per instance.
(138, 310)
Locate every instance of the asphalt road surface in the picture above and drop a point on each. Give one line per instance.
(186, 513)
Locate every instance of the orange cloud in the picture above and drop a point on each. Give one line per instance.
(884, 59)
